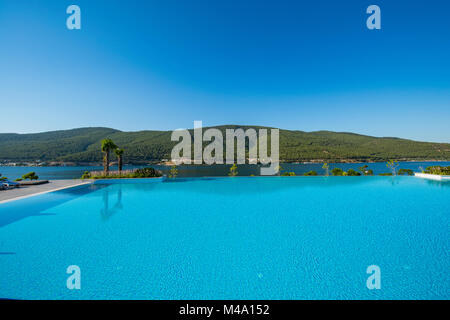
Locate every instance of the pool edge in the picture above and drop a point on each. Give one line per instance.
(44, 192)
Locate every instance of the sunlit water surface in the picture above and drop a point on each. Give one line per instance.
(231, 238)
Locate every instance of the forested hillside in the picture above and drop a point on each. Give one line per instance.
(83, 145)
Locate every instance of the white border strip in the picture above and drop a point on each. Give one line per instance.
(432, 176)
(43, 192)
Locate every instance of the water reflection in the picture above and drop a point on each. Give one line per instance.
(394, 180)
(107, 212)
(265, 185)
(39, 206)
(5, 252)
(189, 179)
(440, 184)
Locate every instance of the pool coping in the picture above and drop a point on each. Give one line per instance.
(44, 192)
(128, 180)
(436, 177)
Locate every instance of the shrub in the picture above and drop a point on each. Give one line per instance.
(408, 172)
(233, 171)
(30, 175)
(3, 178)
(337, 172)
(288, 174)
(147, 173)
(86, 175)
(352, 172)
(441, 170)
(18, 179)
(311, 173)
(386, 174)
(138, 173)
(365, 170)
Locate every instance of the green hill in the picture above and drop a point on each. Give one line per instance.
(82, 146)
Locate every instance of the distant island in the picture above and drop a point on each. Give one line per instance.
(81, 147)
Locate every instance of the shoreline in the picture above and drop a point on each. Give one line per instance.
(346, 161)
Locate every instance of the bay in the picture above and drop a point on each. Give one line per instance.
(75, 172)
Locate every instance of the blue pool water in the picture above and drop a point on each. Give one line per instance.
(231, 238)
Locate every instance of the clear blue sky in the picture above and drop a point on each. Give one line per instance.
(306, 65)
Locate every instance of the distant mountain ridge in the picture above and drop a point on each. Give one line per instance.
(82, 145)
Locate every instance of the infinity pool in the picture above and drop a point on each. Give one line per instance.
(231, 238)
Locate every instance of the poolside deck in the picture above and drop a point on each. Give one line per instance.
(29, 191)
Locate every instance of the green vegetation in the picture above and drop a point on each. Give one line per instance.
(233, 171)
(3, 178)
(391, 164)
(279, 169)
(86, 175)
(311, 173)
(30, 176)
(107, 146)
(119, 153)
(366, 171)
(138, 173)
(340, 172)
(147, 173)
(173, 172)
(408, 172)
(386, 174)
(337, 172)
(82, 145)
(285, 173)
(440, 170)
(352, 172)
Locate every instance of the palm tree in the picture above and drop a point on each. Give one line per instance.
(107, 146)
(119, 153)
